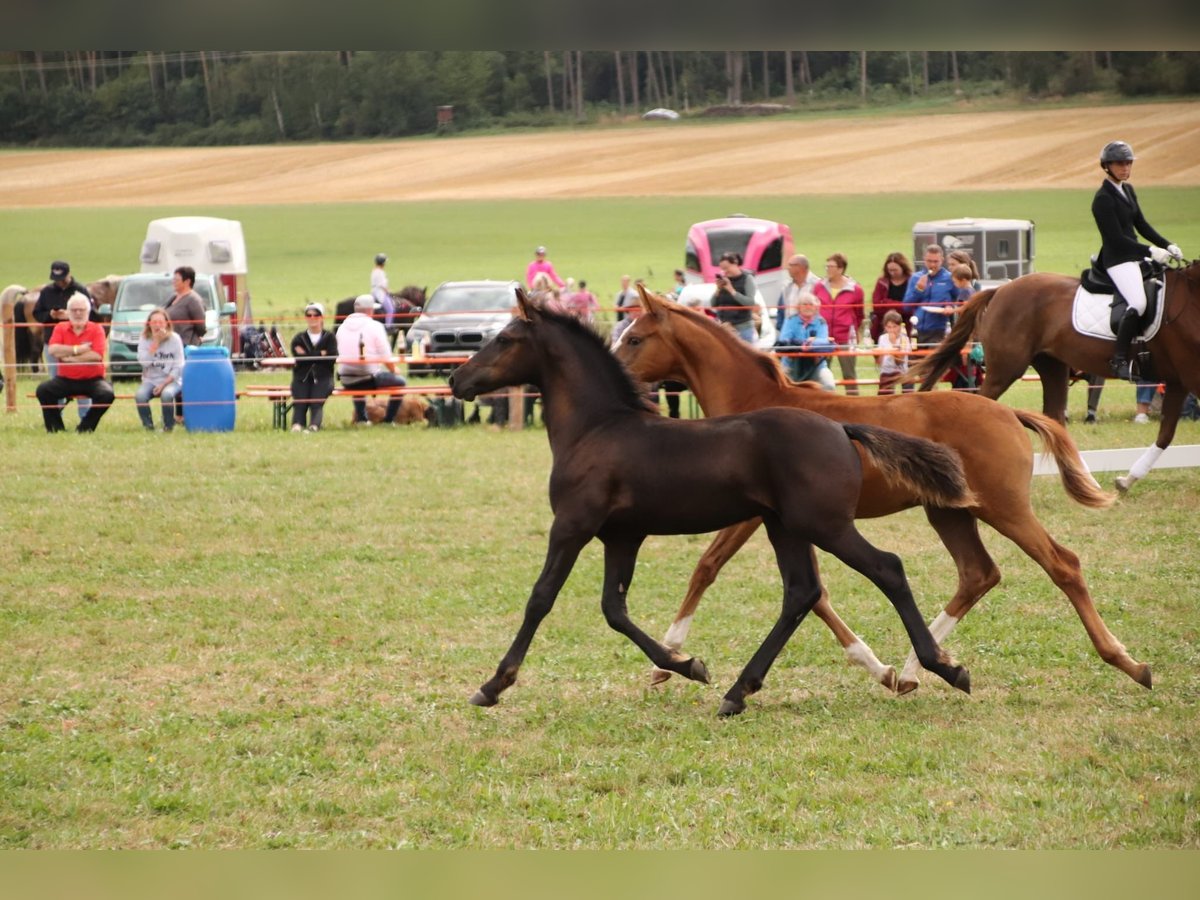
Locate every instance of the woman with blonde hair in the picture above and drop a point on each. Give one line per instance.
(160, 352)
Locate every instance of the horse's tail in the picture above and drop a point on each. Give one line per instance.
(930, 369)
(933, 472)
(1077, 481)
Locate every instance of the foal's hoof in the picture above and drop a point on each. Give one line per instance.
(962, 680)
(1123, 484)
(659, 676)
(699, 671)
(479, 698)
(905, 686)
(1144, 677)
(730, 708)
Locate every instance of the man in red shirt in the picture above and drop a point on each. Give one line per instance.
(79, 347)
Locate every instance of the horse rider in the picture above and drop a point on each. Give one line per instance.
(1118, 216)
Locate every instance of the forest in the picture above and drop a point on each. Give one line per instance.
(109, 98)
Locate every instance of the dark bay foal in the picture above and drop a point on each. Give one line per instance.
(797, 470)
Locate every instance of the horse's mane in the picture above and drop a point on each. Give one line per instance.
(595, 355)
(766, 364)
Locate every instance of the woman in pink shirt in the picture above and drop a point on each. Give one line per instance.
(841, 300)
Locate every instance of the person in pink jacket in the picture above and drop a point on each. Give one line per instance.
(537, 266)
(841, 299)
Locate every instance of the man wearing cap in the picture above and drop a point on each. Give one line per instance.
(382, 294)
(541, 264)
(78, 345)
(51, 308)
(364, 359)
(315, 352)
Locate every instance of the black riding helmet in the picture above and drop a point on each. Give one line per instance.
(1115, 151)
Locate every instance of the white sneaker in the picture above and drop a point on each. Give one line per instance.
(297, 427)
(1142, 419)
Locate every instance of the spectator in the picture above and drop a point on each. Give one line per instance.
(680, 283)
(806, 332)
(889, 291)
(79, 346)
(541, 264)
(894, 346)
(1144, 396)
(582, 304)
(802, 282)
(364, 359)
(956, 258)
(929, 298)
(185, 309)
(1095, 385)
(315, 352)
(382, 295)
(625, 298)
(160, 352)
(841, 299)
(734, 299)
(51, 308)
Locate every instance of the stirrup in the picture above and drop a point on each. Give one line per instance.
(1120, 369)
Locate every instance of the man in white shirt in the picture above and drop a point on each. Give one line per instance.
(364, 359)
(801, 284)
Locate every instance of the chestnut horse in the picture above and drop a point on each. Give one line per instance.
(1027, 322)
(798, 471)
(728, 376)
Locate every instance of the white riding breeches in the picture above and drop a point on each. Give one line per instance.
(1127, 276)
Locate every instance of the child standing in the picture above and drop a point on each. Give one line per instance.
(894, 346)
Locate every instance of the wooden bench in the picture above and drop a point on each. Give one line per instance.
(280, 396)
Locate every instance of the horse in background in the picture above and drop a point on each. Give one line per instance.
(622, 472)
(29, 334)
(409, 300)
(1027, 322)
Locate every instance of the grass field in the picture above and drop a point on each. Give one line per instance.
(260, 639)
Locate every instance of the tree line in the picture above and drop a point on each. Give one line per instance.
(206, 97)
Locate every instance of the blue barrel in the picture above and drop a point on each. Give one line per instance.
(209, 393)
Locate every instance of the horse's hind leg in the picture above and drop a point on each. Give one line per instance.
(561, 554)
(977, 574)
(620, 556)
(887, 573)
(1024, 530)
(727, 543)
(1055, 383)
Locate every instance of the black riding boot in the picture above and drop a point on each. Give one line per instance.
(1126, 330)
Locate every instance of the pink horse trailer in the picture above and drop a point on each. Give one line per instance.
(764, 245)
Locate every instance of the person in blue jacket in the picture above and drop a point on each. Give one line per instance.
(930, 298)
(807, 332)
(1119, 219)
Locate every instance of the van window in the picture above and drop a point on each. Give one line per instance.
(772, 256)
(728, 240)
(220, 251)
(691, 259)
(150, 252)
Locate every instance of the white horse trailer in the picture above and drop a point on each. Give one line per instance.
(210, 246)
(1003, 249)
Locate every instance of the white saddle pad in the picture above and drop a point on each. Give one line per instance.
(1091, 314)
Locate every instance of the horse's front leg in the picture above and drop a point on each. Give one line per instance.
(563, 550)
(1172, 407)
(620, 557)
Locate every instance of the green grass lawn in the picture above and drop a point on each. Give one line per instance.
(261, 639)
